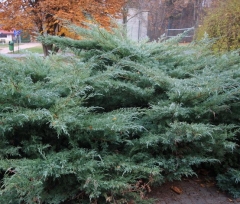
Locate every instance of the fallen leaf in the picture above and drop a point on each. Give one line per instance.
(176, 189)
(197, 180)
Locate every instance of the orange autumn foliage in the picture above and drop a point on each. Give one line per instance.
(43, 16)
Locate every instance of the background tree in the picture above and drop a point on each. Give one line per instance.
(167, 14)
(43, 16)
(222, 22)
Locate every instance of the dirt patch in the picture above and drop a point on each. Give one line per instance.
(196, 190)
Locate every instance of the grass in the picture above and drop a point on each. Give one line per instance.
(37, 49)
(3, 45)
(6, 45)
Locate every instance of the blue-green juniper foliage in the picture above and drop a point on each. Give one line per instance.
(107, 124)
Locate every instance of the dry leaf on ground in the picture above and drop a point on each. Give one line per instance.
(176, 189)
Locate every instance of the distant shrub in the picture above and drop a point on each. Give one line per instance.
(223, 24)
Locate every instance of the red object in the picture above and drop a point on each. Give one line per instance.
(6, 32)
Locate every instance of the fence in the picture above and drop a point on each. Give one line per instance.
(174, 32)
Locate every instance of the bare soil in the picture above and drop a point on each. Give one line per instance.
(195, 190)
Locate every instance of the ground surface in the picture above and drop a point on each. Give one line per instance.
(5, 50)
(201, 190)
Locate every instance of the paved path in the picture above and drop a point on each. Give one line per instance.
(21, 47)
(192, 191)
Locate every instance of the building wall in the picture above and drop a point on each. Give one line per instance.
(6, 39)
(137, 24)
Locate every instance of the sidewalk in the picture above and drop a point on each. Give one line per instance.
(201, 190)
(21, 47)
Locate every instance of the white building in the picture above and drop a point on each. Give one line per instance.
(6, 36)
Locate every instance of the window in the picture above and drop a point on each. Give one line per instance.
(3, 35)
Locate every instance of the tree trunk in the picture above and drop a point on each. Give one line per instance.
(124, 19)
(47, 49)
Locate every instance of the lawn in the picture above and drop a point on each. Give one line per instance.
(3, 45)
(37, 49)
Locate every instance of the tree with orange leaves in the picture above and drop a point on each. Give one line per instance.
(43, 16)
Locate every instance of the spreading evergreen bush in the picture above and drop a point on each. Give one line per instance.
(106, 124)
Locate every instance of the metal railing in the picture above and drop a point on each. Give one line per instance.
(173, 32)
